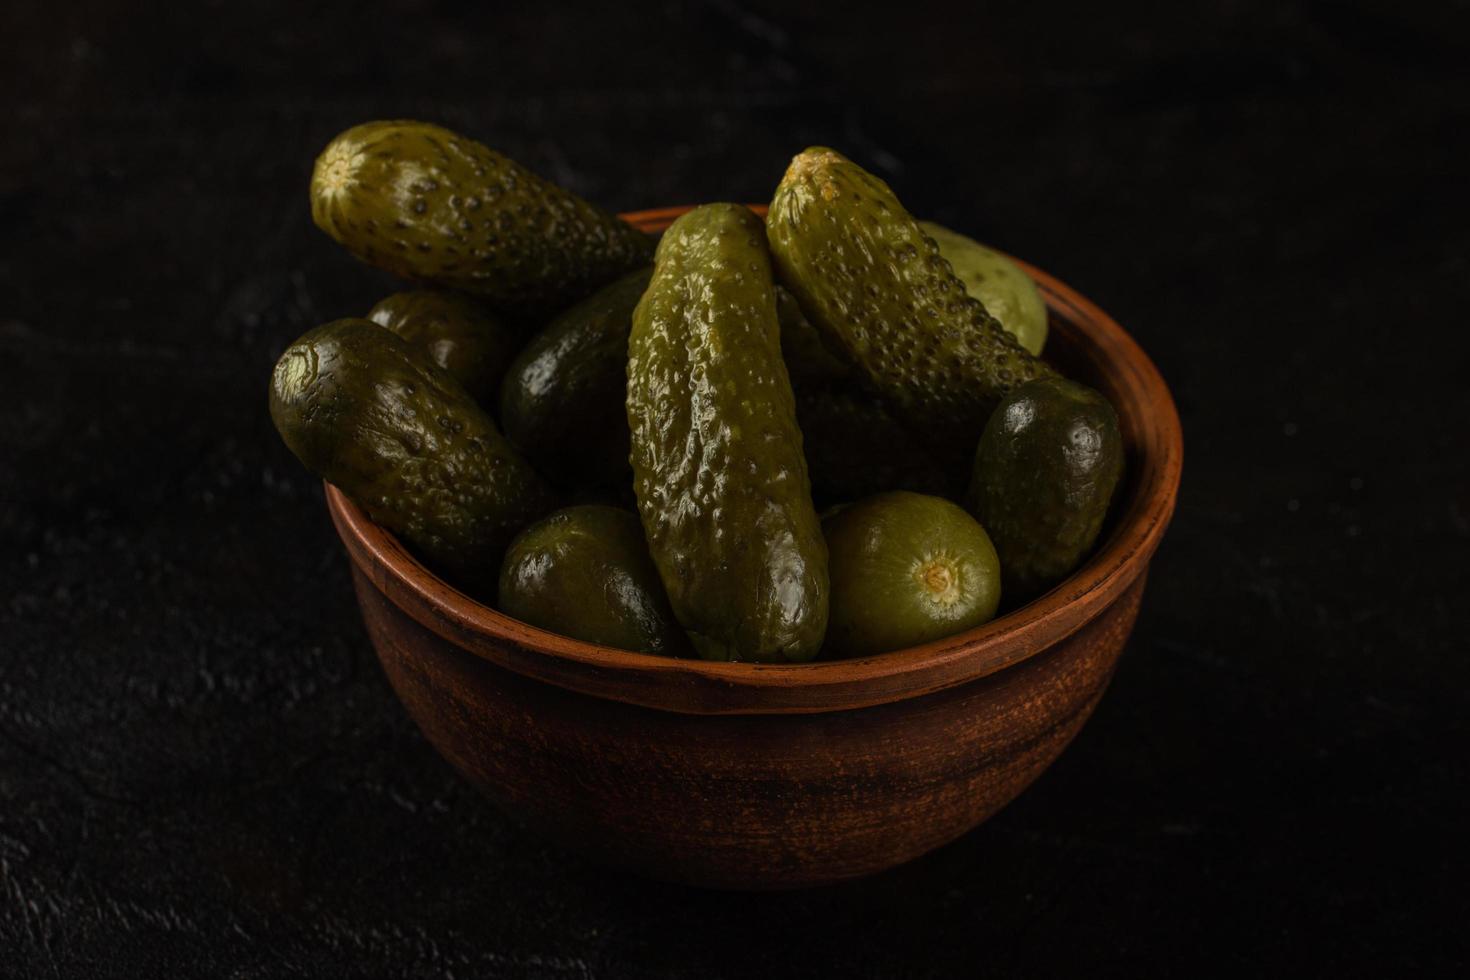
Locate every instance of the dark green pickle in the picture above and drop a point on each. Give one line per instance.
(1045, 472)
(562, 399)
(906, 569)
(430, 205)
(585, 572)
(887, 302)
(457, 334)
(372, 415)
(717, 454)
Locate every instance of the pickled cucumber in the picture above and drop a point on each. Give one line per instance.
(430, 205)
(906, 569)
(717, 458)
(363, 409)
(884, 298)
(1045, 472)
(584, 572)
(562, 399)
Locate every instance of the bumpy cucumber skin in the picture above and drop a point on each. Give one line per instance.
(363, 409)
(906, 569)
(717, 458)
(1001, 286)
(562, 401)
(585, 572)
(877, 288)
(1045, 472)
(455, 332)
(430, 205)
(562, 398)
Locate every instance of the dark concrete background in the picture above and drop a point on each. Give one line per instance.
(202, 770)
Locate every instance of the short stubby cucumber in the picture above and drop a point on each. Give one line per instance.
(584, 572)
(877, 288)
(430, 205)
(372, 415)
(1045, 472)
(456, 333)
(718, 469)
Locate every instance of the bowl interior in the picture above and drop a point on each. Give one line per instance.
(1083, 342)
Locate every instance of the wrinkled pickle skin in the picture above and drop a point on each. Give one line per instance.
(373, 416)
(717, 458)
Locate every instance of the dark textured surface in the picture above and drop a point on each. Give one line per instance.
(202, 770)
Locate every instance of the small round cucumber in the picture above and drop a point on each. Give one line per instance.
(585, 572)
(906, 569)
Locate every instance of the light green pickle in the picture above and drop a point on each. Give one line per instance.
(906, 569)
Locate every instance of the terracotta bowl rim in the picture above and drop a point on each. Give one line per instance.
(706, 687)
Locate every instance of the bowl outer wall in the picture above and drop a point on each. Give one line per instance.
(747, 801)
(1151, 430)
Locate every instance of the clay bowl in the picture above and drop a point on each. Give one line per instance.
(736, 775)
